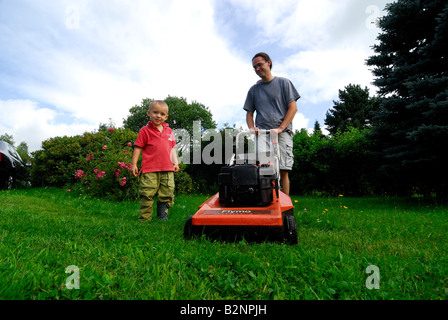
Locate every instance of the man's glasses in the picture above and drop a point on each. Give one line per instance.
(259, 65)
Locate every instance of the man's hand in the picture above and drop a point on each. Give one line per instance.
(279, 130)
(254, 130)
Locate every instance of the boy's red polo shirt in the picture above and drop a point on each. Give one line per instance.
(156, 154)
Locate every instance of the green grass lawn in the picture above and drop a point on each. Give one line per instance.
(44, 231)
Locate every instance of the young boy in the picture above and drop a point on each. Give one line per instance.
(159, 162)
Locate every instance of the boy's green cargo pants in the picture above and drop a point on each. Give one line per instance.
(160, 184)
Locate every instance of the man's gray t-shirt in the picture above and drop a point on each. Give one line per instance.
(270, 101)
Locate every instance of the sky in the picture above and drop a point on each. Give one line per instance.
(67, 66)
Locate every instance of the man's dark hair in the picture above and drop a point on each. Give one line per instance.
(265, 56)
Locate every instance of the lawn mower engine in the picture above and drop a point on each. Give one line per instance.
(247, 185)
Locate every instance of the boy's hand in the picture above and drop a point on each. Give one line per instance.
(135, 157)
(176, 168)
(134, 170)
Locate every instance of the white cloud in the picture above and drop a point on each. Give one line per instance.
(171, 49)
(327, 41)
(91, 60)
(327, 44)
(303, 24)
(300, 122)
(307, 25)
(27, 122)
(120, 52)
(323, 73)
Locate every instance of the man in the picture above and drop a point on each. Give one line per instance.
(274, 101)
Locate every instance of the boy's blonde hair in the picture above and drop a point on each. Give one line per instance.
(157, 102)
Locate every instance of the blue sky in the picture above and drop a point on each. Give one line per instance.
(66, 66)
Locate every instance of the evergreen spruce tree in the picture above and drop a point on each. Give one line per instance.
(411, 70)
(317, 129)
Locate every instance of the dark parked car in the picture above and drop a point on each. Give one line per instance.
(13, 171)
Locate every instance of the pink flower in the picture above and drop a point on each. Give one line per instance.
(117, 172)
(123, 181)
(111, 130)
(79, 174)
(99, 173)
(124, 165)
(90, 157)
(104, 147)
(129, 144)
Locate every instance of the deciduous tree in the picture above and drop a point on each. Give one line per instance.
(354, 109)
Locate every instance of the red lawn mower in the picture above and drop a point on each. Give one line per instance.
(249, 203)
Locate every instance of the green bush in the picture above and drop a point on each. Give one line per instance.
(339, 164)
(184, 183)
(354, 171)
(312, 154)
(55, 163)
(96, 164)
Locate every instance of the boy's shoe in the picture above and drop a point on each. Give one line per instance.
(162, 211)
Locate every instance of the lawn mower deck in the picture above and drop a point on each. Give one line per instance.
(274, 222)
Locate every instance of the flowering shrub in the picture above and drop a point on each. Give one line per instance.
(97, 164)
(104, 165)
